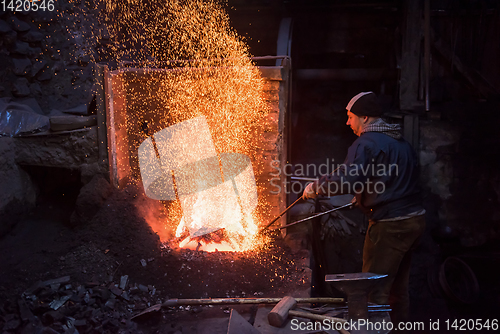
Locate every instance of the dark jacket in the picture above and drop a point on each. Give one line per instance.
(382, 173)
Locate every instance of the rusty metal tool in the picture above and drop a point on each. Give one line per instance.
(229, 301)
(314, 216)
(233, 301)
(323, 310)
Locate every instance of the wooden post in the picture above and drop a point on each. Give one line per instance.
(410, 130)
(102, 139)
(410, 59)
(427, 52)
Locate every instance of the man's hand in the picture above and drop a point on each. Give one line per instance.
(309, 192)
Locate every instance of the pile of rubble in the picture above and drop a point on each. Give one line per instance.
(59, 306)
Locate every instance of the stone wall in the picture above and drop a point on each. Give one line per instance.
(460, 178)
(17, 193)
(45, 58)
(46, 66)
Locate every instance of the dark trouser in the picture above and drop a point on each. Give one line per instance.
(387, 250)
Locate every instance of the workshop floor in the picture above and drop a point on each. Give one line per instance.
(43, 246)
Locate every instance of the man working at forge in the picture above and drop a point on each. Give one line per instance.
(381, 171)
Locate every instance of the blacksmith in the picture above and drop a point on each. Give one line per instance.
(389, 197)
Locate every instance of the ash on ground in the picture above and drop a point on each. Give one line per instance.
(95, 277)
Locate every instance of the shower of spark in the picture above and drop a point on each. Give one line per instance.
(209, 73)
(173, 30)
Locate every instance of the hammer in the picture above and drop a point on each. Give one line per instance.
(279, 314)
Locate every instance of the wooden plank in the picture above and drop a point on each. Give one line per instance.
(102, 139)
(121, 124)
(119, 165)
(108, 91)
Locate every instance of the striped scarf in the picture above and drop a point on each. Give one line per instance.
(379, 125)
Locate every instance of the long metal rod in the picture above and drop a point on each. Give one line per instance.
(298, 200)
(281, 214)
(323, 310)
(304, 178)
(228, 301)
(314, 216)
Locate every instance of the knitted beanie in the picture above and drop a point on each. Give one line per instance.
(365, 104)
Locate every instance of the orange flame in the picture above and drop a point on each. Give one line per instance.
(213, 76)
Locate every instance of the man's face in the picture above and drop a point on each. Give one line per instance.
(355, 122)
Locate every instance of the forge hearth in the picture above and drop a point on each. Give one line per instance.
(131, 119)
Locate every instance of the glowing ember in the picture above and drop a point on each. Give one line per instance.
(180, 163)
(209, 74)
(217, 241)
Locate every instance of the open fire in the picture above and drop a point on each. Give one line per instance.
(211, 242)
(196, 129)
(205, 113)
(215, 191)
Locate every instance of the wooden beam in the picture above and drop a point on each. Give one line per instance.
(410, 57)
(102, 139)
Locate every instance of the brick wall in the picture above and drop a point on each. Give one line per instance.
(272, 154)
